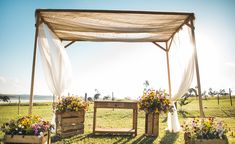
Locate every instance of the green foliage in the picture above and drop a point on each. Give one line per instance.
(97, 95)
(71, 103)
(90, 99)
(106, 97)
(184, 100)
(4, 98)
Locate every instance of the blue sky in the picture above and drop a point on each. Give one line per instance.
(109, 66)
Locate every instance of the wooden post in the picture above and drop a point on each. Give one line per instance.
(112, 96)
(19, 106)
(136, 121)
(33, 66)
(134, 124)
(133, 119)
(168, 71)
(230, 95)
(94, 118)
(49, 137)
(146, 122)
(197, 71)
(85, 97)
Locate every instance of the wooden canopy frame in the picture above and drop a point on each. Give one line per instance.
(188, 20)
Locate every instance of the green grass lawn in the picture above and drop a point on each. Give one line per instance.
(123, 118)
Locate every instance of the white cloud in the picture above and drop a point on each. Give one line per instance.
(230, 64)
(11, 86)
(2, 79)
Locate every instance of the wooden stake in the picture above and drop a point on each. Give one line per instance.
(230, 95)
(19, 106)
(94, 118)
(85, 97)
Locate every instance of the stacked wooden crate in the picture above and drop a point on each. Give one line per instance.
(70, 123)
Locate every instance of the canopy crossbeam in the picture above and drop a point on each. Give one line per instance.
(67, 45)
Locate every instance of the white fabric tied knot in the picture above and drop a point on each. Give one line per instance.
(172, 120)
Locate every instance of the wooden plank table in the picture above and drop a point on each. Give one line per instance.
(118, 105)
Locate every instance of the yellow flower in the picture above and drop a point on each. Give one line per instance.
(156, 111)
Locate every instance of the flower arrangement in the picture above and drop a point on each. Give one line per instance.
(154, 101)
(208, 128)
(71, 103)
(26, 125)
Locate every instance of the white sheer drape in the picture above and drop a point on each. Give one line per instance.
(55, 61)
(182, 64)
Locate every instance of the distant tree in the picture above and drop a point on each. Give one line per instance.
(97, 95)
(222, 92)
(212, 92)
(146, 85)
(90, 99)
(4, 98)
(193, 92)
(107, 97)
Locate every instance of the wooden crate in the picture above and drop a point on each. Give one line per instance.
(28, 139)
(152, 124)
(70, 123)
(204, 141)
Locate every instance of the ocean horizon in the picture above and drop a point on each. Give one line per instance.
(24, 98)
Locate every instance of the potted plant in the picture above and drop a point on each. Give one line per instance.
(205, 131)
(27, 129)
(153, 102)
(70, 116)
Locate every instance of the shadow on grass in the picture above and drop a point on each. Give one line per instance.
(144, 140)
(56, 138)
(119, 139)
(228, 113)
(169, 138)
